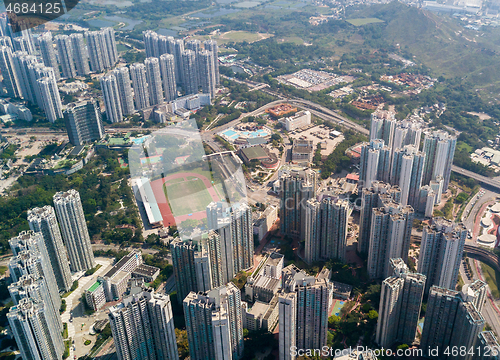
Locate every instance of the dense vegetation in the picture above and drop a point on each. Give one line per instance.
(101, 183)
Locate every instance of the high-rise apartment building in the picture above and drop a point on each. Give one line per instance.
(375, 162)
(153, 77)
(31, 258)
(475, 293)
(44, 220)
(140, 84)
(9, 75)
(111, 95)
(441, 252)
(167, 68)
(192, 268)
(83, 122)
(48, 52)
(439, 148)
(487, 347)
(178, 49)
(326, 228)
(406, 171)
(372, 198)
(408, 132)
(125, 91)
(102, 49)
(211, 45)
(35, 288)
(399, 309)
(189, 72)
(450, 322)
(207, 72)
(38, 71)
(143, 327)
(287, 303)
(66, 56)
(80, 54)
(312, 300)
(151, 43)
(75, 233)
(6, 41)
(382, 126)
(390, 236)
(22, 61)
(295, 188)
(234, 225)
(34, 331)
(214, 323)
(50, 97)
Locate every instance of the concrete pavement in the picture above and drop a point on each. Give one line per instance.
(73, 299)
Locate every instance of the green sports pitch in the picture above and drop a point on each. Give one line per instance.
(187, 197)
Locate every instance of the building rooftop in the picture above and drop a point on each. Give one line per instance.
(119, 276)
(341, 288)
(259, 308)
(117, 267)
(94, 286)
(254, 153)
(146, 270)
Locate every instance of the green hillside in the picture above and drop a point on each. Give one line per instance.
(439, 42)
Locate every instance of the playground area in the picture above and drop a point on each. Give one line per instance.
(336, 307)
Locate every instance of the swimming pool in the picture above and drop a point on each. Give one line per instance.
(140, 140)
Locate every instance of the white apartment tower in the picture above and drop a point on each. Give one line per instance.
(189, 72)
(31, 258)
(153, 77)
(167, 68)
(207, 72)
(439, 148)
(399, 309)
(50, 97)
(211, 45)
(44, 220)
(125, 90)
(140, 84)
(80, 54)
(214, 324)
(441, 253)
(66, 56)
(143, 327)
(75, 233)
(48, 53)
(36, 335)
(111, 95)
(326, 228)
(10, 78)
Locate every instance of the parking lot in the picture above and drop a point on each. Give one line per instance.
(318, 134)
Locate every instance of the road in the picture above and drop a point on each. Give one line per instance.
(485, 181)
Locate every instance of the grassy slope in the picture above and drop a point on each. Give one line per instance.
(440, 42)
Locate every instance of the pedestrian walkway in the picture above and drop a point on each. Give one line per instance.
(83, 283)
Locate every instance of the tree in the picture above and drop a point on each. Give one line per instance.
(372, 315)
(182, 343)
(333, 320)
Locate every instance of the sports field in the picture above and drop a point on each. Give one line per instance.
(338, 305)
(364, 21)
(187, 197)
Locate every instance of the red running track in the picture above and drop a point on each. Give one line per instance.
(161, 200)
